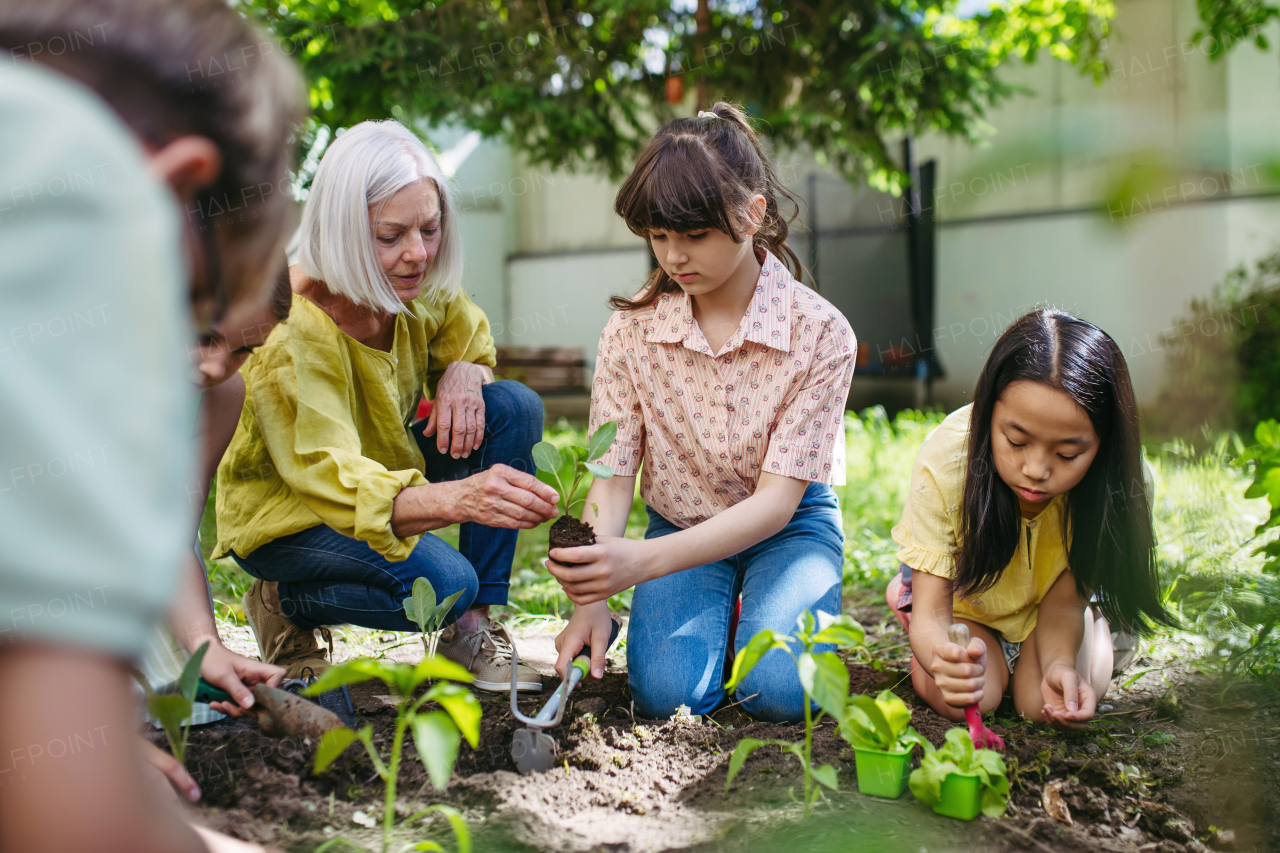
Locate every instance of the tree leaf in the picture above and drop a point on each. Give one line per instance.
(601, 440)
(462, 706)
(437, 740)
(332, 744)
(604, 472)
(826, 678)
(826, 774)
(190, 678)
(746, 660)
(547, 457)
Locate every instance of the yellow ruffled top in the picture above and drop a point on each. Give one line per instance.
(929, 534)
(324, 434)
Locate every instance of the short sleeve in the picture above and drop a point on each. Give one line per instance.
(926, 531)
(807, 442)
(463, 336)
(302, 408)
(614, 397)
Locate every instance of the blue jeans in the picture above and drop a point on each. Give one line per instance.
(329, 579)
(679, 628)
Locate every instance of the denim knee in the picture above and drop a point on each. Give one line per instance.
(518, 403)
(657, 698)
(772, 692)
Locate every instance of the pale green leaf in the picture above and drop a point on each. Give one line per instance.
(864, 718)
(190, 678)
(896, 713)
(746, 660)
(602, 472)
(842, 631)
(826, 679)
(462, 706)
(826, 774)
(442, 611)
(332, 744)
(601, 440)
(441, 667)
(741, 753)
(461, 832)
(547, 457)
(420, 606)
(170, 709)
(437, 739)
(351, 672)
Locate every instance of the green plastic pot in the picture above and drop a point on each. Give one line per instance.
(961, 797)
(882, 773)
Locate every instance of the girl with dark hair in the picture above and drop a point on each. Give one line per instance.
(728, 378)
(1029, 521)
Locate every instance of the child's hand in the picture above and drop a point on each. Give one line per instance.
(235, 673)
(590, 625)
(1069, 702)
(606, 568)
(960, 672)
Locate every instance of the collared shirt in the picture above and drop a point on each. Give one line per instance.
(707, 424)
(930, 530)
(324, 435)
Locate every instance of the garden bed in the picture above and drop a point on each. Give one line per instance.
(1138, 780)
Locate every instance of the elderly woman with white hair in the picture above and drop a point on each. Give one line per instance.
(327, 491)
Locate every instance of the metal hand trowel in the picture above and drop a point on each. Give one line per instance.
(533, 750)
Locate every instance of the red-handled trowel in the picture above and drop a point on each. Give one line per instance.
(983, 737)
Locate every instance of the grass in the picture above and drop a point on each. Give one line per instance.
(1204, 527)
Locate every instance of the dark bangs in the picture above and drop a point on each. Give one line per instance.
(678, 185)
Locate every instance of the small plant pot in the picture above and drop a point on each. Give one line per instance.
(882, 773)
(961, 797)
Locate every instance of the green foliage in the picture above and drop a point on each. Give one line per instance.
(825, 680)
(1228, 22)
(422, 610)
(436, 734)
(882, 723)
(564, 468)
(586, 82)
(173, 709)
(958, 755)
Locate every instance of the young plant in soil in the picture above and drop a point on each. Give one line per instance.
(564, 470)
(880, 732)
(825, 680)
(437, 734)
(172, 708)
(422, 610)
(959, 758)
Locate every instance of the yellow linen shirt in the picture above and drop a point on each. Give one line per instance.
(324, 434)
(929, 534)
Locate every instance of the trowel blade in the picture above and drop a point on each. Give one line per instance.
(533, 751)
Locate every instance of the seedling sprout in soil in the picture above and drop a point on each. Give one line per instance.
(437, 734)
(880, 732)
(958, 757)
(422, 610)
(564, 469)
(171, 709)
(825, 680)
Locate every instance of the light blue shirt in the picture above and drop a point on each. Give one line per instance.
(94, 445)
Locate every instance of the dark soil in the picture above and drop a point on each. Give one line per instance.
(568, 532)
(1133, 782)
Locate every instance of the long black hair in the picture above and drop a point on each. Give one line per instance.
(1107, 526)
(698, 174)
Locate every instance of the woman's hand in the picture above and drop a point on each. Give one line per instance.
(504, 497)
(960, 672)
(590, 625)
(608, 567)
(457, 412)
(224, 668)
(1069, 701)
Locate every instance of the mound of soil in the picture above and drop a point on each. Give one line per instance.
(568, 532)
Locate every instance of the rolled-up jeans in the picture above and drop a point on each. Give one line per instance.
(327, 578)
(679, 629)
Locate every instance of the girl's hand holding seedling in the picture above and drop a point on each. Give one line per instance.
(604, 569)
(1069, 700)
(591, 625)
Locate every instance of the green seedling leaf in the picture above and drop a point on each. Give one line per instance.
(333, 842)
(424, 845)
(896, 713)
(437, 739)
(842, 631)
(190, 678)
(171, 709)
(1158, 738)
(863, 724)
(438, 667)
(601, 440)
(462, 706)
(420, 606)
(741, 753)
(461, 832)
(826, 678)
(602, 472)
(547, 457)
(826, 774)
(746, 660)
(332, 744)
(957, 755)
(442, 611)
(351, 672)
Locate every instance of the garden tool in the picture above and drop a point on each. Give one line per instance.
(983, 737)
(280, 713)
(533, 750)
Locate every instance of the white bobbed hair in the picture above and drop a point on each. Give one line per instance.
(363, 168)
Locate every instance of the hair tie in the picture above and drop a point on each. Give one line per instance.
(705, 114)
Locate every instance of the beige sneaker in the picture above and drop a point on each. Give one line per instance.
(486, 654)
(280, 641)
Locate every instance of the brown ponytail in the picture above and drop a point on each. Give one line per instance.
(698, 174)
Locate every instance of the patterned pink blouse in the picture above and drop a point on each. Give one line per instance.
(706, 424)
